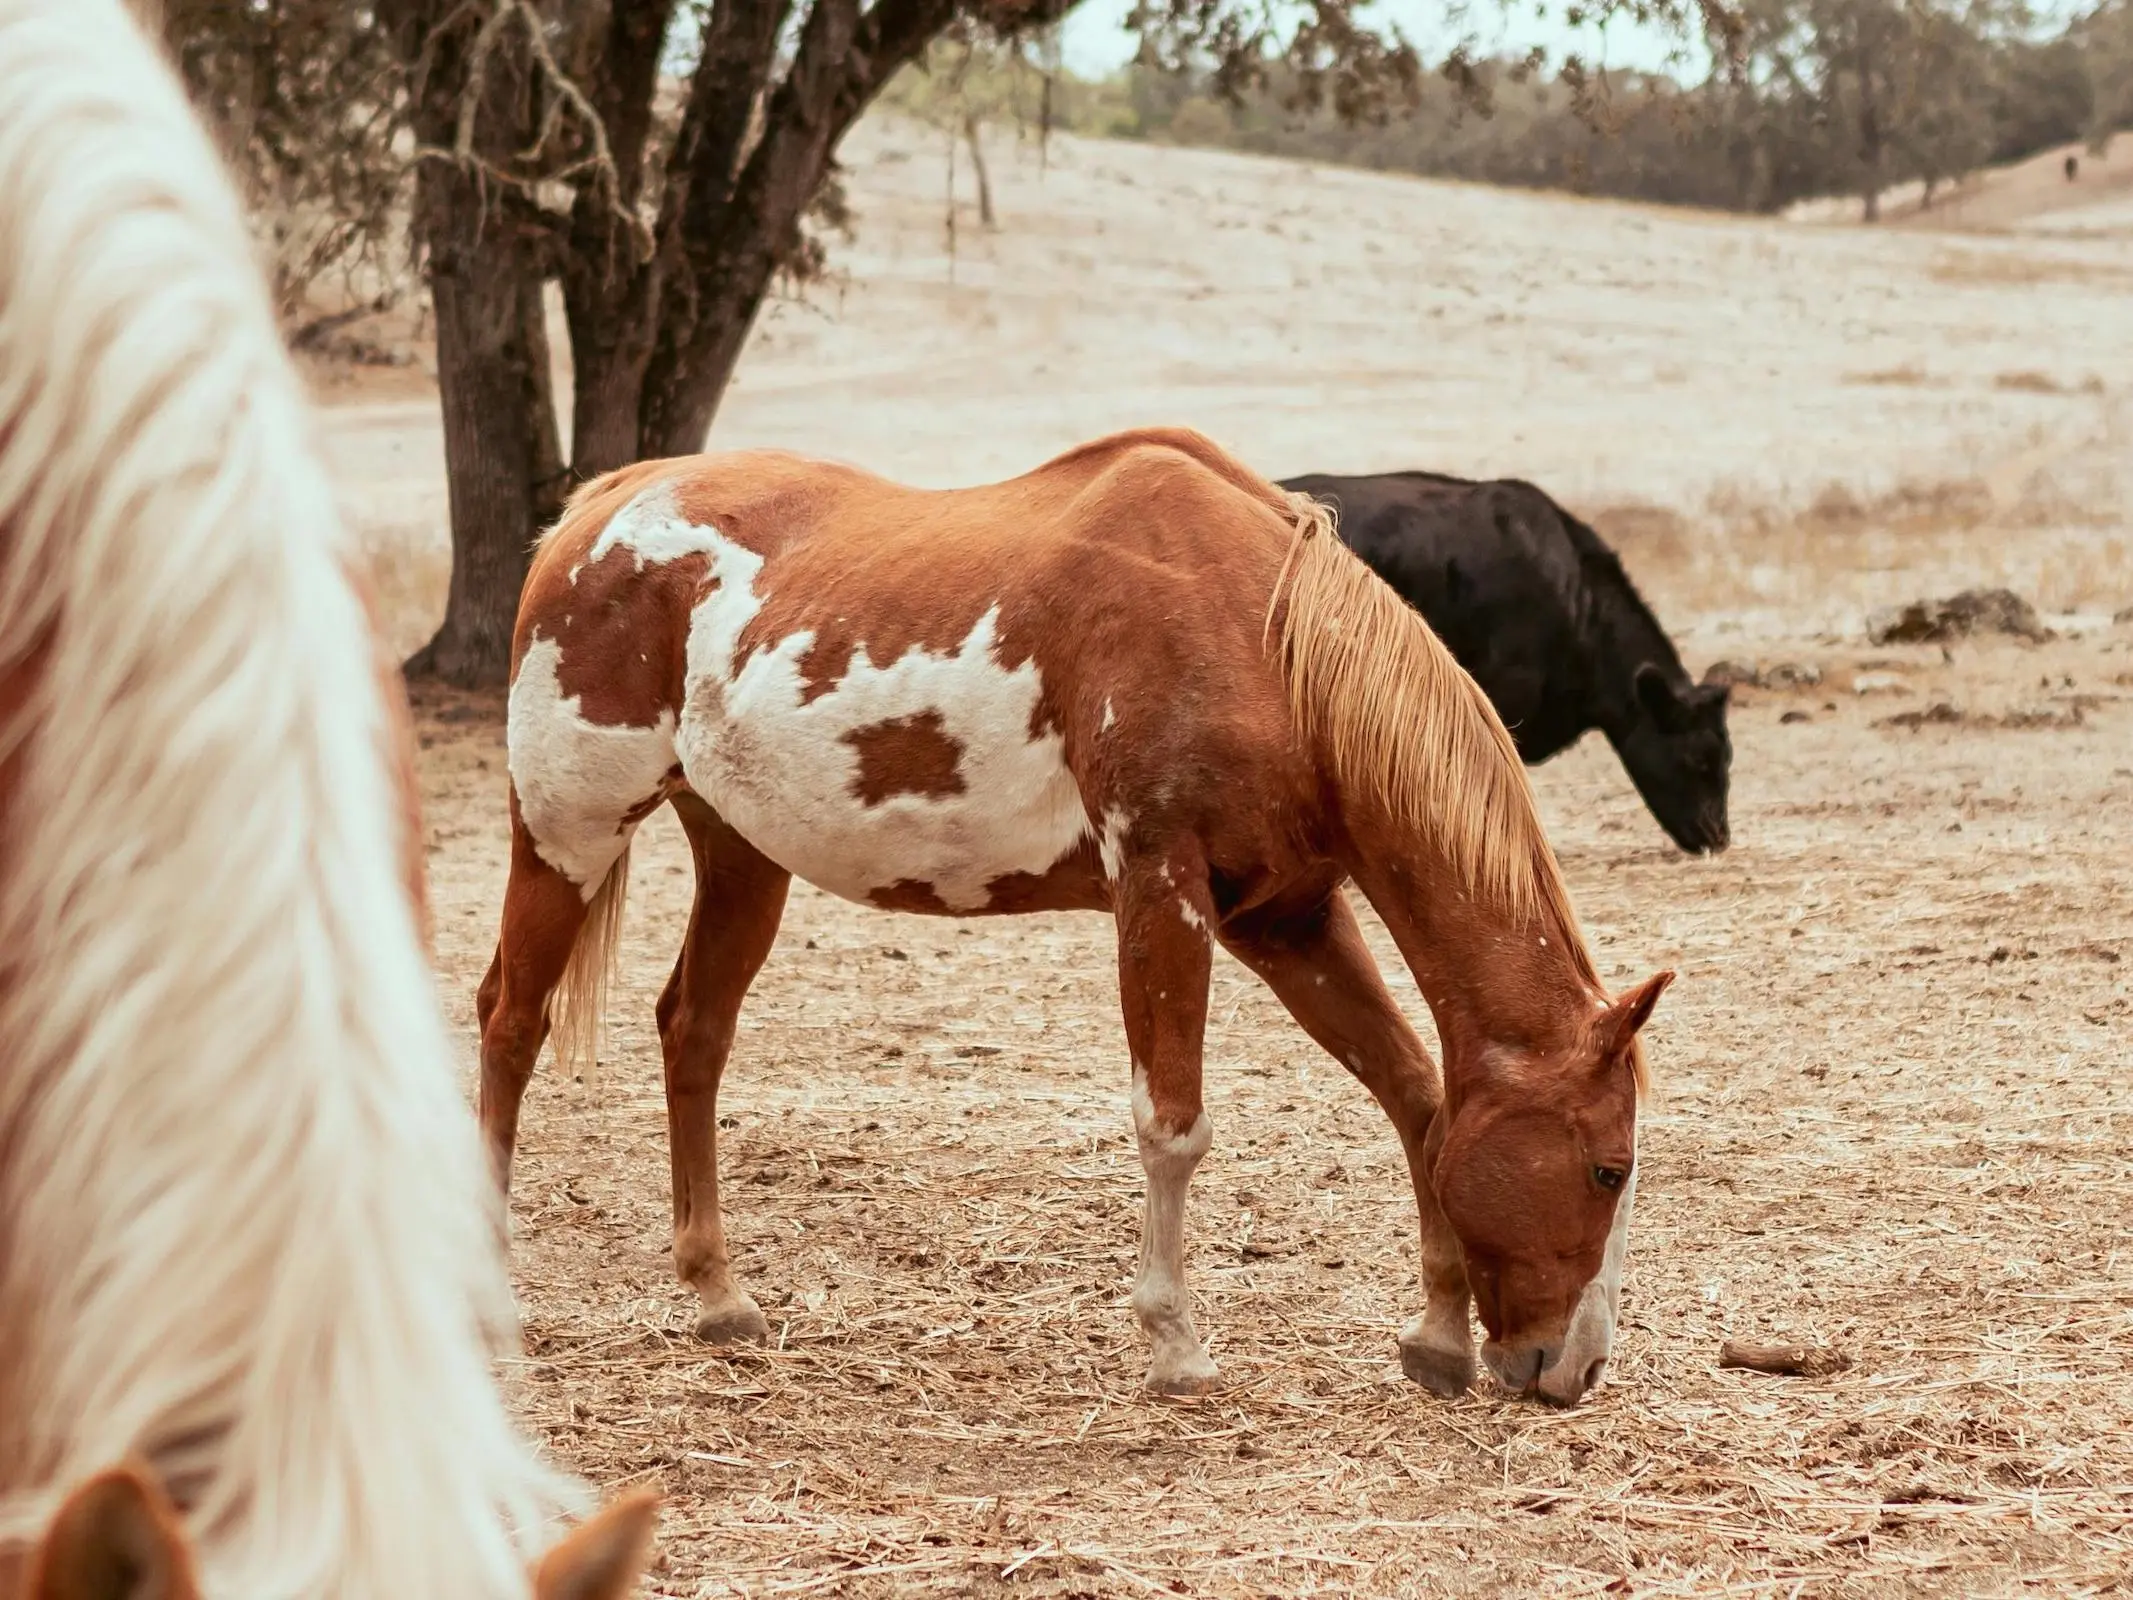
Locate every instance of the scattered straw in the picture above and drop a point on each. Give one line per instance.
(1896, 1123)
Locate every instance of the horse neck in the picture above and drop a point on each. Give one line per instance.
(1491, 976)
(1624, 633)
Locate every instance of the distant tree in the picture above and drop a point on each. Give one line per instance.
(1899, 88)
(2106, 39)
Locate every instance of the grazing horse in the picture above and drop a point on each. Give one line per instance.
(1033, 697)
(251, 1279)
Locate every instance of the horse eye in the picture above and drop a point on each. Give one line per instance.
(1608, 1178)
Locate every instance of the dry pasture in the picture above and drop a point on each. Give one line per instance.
(1893, 1113)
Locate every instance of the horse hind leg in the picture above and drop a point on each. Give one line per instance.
(1164, 912)
(740, 898)
(1317, 964)
(544, 913)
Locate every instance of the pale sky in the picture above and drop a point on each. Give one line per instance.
(1096, 44)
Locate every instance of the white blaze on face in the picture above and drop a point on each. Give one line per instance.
(576, 780)
(780, 769)
(1590, 1336)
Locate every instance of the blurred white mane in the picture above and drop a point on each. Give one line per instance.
(245, 1226)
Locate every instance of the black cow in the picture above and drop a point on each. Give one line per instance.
(1537, 607)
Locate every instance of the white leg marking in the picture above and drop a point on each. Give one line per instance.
(1590, 1338)
(1180, 1363)
(576, 780)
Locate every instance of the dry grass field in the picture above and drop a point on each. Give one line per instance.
(1893, 1109)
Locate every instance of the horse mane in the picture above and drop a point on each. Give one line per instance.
(246, 1229)
(1403, 723)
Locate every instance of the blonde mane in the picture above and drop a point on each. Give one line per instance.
(1400, 720)
(246, 1230)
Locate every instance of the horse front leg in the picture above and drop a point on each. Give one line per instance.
(1164, 912)
(1317, 964)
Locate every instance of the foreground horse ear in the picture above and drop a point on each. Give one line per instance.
(601, 1557)
(1614, 1029)
(115, 1538)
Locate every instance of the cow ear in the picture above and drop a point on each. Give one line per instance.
(600, 1558)
(115, 1538)
(1615, 1029)
(1656, 695)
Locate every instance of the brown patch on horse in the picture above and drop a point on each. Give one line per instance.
(906, 755)
(1075, 882)
(620, 624)
(622, 661)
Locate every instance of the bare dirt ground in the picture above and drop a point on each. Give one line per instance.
(1893, 1109)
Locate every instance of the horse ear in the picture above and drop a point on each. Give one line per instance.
(601, 1557)
(115, 1538)
(1656, 695)
(1614, 1029)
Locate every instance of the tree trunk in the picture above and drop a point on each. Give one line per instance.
(1870, 143)
(610, 293)
(977, 162)
(503, 460)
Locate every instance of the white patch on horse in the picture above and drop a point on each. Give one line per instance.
(1111, 845)
(652, 528)
(779, 767)
(1590, 1338)
(1191, 914)
(1110, 717)
(576, 780)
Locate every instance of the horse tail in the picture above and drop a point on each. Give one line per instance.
(1402, 726)
(577, 1011)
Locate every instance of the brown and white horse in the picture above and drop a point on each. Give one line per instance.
(1140, 679)
(251, 1283)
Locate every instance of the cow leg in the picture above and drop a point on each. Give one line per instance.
(543, 913)
(1164, 912)
(740, 897)
(1316, 962)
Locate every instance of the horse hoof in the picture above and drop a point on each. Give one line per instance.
(1187, 1378)
(1442, 1372)
(737, 1321)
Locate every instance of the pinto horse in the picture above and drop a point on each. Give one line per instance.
(251, 1279)
(1032, 697)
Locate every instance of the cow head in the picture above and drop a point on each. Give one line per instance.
(1680, 757)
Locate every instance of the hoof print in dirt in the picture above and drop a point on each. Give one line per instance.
(1961, 616)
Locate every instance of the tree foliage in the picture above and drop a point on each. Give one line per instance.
(663, 164)
(1816, 97)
